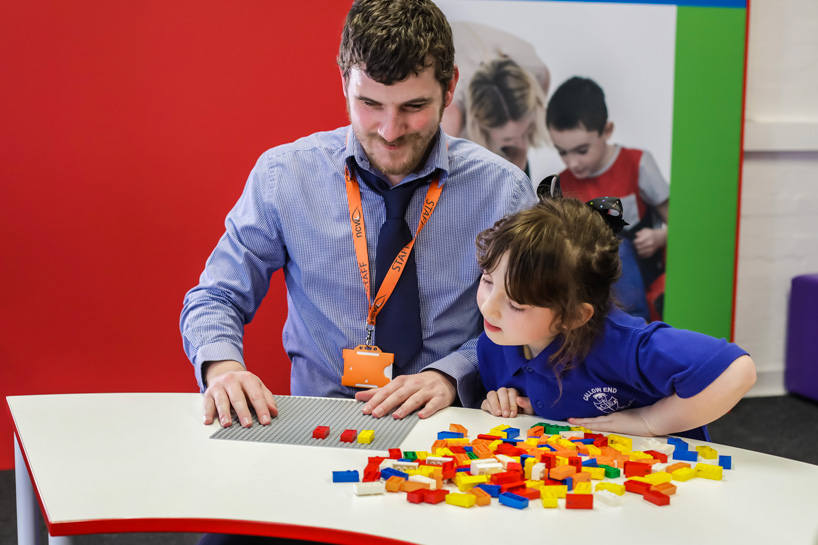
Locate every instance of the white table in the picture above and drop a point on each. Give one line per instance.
(104, 463)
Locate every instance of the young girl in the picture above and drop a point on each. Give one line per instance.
(556, 345)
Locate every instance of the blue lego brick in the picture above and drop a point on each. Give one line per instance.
(468, 448)
(523, 458)
(726, 462)
(511, 433)
(492, 489)
(449, 435)
(685, 455)
(391, 472)
(589, 441)
(678, 442)
(513, 500)
(463, 469)
(590, 462)
(345, 476)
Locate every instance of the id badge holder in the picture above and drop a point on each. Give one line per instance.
(367, 367)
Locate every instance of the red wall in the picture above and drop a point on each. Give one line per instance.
(127, 131)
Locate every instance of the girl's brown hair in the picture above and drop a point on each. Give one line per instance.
(561, 254)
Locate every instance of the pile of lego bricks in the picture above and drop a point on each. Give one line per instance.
(551, 463)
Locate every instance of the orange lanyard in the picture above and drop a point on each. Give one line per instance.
(356, 220)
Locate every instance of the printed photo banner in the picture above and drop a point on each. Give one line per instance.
(673, 78)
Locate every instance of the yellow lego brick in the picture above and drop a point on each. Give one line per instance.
(596, 473)
(457, 442)
(464, 481)
(566, 444)
(461, 500)
(709, 471)
(684, 474)
(366, 436)
(494, 444)
(548, 498)
(422, 454)
(559, 490)
(708, 453)
(443, 452)
(533, 441)
(580, 428)
(658, 478)
(626, 443)
(583, 488)
(637, 455)
(593, 450)
(533, 484)
(618, 489)
(529, 464)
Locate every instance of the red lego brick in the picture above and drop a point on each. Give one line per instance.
(371, 475)
(601, 442)
(416, 496)
(512, 486)
(349, 436)
(321, 432)
(526, 492)
(579, 501)
(656, 497)
(395, 454)
(637, 487)
(489, 437)
(662, 457)
(636, 469)
(509, 450)
(435, 496)
(506, 477)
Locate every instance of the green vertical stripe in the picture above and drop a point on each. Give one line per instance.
(707, 121)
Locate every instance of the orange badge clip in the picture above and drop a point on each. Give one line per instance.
(367, 367)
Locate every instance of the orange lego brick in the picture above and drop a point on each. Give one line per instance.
(457, 428)
(561, 472)
(410, 486)
(677, 465)
(665, 488)
(483, 497)
(394, 483)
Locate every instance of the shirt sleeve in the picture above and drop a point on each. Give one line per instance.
(235, 279)
(669, 360)
(653, 188)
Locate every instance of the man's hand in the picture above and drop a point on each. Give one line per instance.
(431, 390)
(648, 241)
(229, 384)
(629, 421)
(505, 402)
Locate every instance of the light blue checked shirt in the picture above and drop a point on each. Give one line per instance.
(293, 215)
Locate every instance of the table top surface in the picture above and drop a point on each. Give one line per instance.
(103, 463)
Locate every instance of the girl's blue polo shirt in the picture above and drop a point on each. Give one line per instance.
(632, 364)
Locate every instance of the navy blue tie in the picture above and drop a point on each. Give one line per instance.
(397, 328)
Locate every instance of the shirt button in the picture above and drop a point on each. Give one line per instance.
(539, 404)
(529, 368)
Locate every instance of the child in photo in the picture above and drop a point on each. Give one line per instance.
(555, 343)
(578, 124)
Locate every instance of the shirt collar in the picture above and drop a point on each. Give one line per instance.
(438, 159)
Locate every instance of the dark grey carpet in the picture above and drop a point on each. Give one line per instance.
(785, 426)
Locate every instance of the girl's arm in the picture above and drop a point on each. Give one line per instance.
(674, 414)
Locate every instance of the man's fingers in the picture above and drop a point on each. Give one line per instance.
(209, 409)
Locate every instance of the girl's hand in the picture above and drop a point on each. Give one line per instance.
(629, 421)
(506, 402)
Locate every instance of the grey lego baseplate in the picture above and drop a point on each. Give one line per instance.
(299, 416)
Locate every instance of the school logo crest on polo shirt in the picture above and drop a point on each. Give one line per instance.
(604, 399)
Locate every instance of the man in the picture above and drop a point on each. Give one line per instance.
(397, 69)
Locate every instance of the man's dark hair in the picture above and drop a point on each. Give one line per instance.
(392, 39)
(577, 103)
